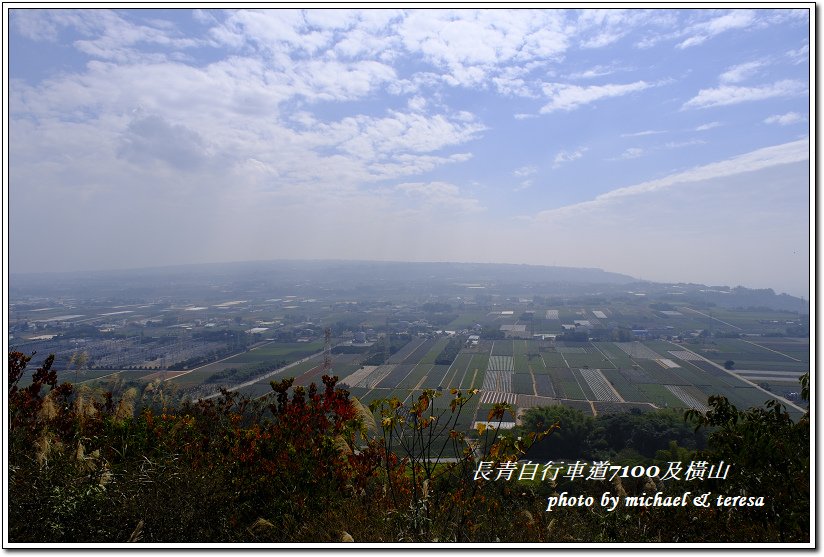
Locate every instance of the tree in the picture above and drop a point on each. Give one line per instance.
(770, 457)
(729, 364)
(570, 440)
(622, 334)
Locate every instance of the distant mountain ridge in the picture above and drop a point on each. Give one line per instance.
(357, 270)
(379, 276)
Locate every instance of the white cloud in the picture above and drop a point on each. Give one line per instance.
(701, 32)
(331, 80)
(256, 124)
(440, 195)
(679, 144)
(472, 45)
(402, 165)
(759, 198)
(416, 103)
(596, 71)
(799, 55)
(740, 72)
(271, 31)
(525, 171)
(733, 20)
(563, 157)
(45, 24)
(696, 231)
(232, 111)
(106, 35)
(642, 133)
(631, 153)
(784, 119)
(637, 152)
(731, 94)
(151, 138)
(598, 28)
(707, 126)
(369, 137)
(603, 39)
(797, 151)
(511, 81)
(569, 97)
(204, 16)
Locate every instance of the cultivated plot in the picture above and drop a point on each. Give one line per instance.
(522, 384)
(685, 355)
(415, 377)
(502, 348)
(498, 381)
(407, 349)
(599, 385)
(474, 375)
(354, 379)
(494, 397)
(543, 386)
(501, 363)
(625, 384)
(571, 349)
(637, 350)
(398, 374)
(779, 376)
(420, 352)
(688, 398)
(436, 378)
(532, 401)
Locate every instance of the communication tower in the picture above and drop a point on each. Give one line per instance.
(327, 351)
(386, 343)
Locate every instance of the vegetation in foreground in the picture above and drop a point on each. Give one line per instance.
(313, 465)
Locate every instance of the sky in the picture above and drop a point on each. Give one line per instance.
(671, 145)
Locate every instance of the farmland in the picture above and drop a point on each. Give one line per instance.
(595, 376)
(651, 346)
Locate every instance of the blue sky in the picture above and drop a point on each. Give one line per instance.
(670, 145)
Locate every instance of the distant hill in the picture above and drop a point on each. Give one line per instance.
(738, 297)
(383, 279)
(320, 273)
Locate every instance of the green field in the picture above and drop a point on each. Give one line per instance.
(639, 380)
(435, 351)
(503, 348)
(749, 355)
(639, 377)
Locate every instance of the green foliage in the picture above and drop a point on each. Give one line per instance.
(622, 334)
(492, 333)
(607, 436)
(450, 352)
(771, 457)
(571, 440)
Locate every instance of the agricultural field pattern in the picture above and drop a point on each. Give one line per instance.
(637, 349)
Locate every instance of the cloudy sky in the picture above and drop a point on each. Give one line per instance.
(670, 145)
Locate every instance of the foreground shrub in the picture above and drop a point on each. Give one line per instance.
(312, 464)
